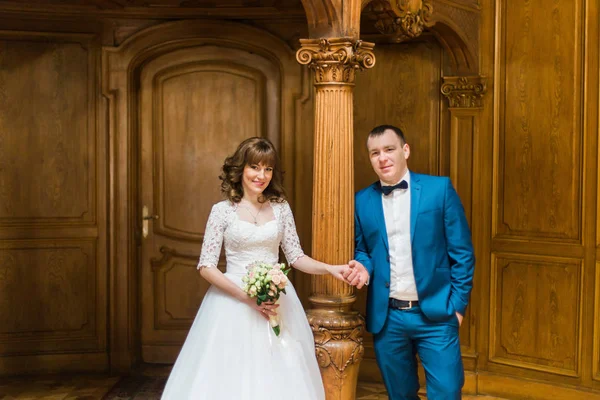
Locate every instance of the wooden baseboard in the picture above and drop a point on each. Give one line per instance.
(519, 388)
(53, 363)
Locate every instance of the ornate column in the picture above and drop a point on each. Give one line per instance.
(338, 330)
(465, 103)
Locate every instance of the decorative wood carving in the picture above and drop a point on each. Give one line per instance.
(334, 62)
(339, 348)
(401, 19)
(464, 91)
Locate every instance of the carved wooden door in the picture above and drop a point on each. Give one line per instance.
(195, 106)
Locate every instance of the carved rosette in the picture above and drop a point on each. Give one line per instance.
(339, 349)
(401, 19)
(464, 91)
(335, 60)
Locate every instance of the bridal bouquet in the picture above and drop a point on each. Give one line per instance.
(266, 282)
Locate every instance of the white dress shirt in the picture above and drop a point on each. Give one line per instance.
(396, 211)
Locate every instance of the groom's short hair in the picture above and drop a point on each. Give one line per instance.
(380, 130)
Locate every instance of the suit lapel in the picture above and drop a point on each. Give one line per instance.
(377, 207)
(415, 197)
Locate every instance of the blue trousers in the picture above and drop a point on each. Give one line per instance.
(407, 333)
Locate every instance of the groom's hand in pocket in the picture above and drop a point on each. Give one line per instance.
(459, 317)
(358, 275)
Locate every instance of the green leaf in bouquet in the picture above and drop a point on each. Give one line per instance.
(283, 291)
(277, 330)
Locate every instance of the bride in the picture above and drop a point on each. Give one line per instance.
(231, 353)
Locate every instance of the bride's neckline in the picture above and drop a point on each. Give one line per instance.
(235, 211)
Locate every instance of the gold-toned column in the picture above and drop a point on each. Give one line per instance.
(338, 330)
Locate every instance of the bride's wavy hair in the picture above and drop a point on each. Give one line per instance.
(252, 151)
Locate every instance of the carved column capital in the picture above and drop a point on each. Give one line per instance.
(335, 60)
(464, 91)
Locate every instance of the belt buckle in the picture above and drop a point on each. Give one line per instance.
(409, 306)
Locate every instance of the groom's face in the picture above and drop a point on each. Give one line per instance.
(388, 156)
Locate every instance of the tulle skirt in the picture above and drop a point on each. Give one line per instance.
(231, 353)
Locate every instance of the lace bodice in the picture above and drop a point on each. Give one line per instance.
(246, 242)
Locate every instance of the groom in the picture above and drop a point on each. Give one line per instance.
(413, 247)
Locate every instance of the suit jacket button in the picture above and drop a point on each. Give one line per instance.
(387, 284)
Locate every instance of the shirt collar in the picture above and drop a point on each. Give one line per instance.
(406, 178)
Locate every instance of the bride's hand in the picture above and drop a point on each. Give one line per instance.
(266, 309)
(338, 271)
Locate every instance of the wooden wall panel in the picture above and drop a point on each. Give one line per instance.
(47, 124)
(540, 153)
(52, 204)
(536, 314)
(47, 296)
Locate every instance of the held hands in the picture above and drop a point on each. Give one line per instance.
(338, 271)
(356, 274)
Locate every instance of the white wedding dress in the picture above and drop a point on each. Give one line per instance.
(231, 353)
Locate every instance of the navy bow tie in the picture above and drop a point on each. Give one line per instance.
(389, 189)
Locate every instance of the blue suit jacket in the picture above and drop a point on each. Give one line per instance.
(442, 252)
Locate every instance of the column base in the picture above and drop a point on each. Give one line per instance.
(339, 348)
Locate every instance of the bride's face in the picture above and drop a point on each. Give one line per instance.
(256, 178)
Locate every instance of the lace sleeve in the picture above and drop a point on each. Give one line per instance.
(290, 243)
(213, 237)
